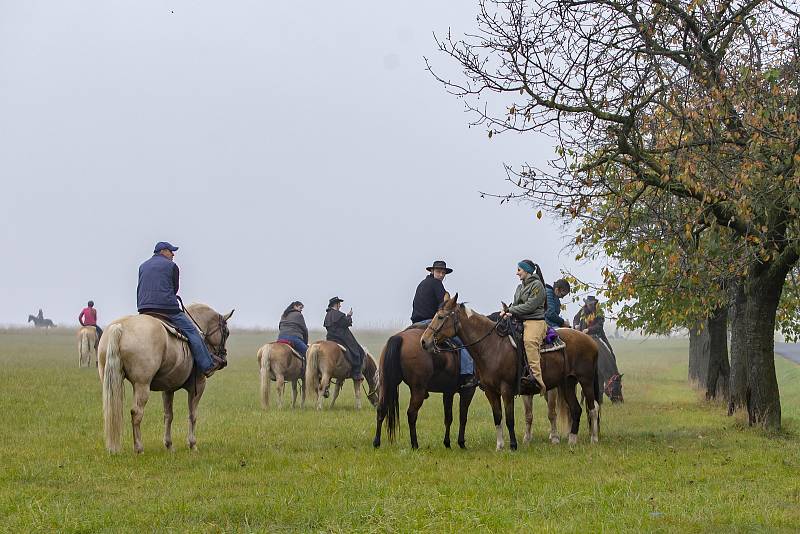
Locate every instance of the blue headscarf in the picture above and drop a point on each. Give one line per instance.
(527, 266)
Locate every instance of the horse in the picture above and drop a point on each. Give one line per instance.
(325, 360)
(610, 377)
(87, 341)
(40, 322)
(140, 349)
(496, 362)
(280, 362)
(404, 360)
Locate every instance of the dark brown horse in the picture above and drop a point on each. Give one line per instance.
(404, 360)
(496, 362)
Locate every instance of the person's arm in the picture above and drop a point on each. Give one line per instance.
(439, 291)
(80, 318)
(552, 312)
(576, 321)
(304, 328)
(176, 275)
(534, 302)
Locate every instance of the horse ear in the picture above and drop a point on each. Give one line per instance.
(446, 296)
(228, 316)
(455, 298)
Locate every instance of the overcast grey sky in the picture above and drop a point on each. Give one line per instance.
(293, 150)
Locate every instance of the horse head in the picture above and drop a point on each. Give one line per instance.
(613, 388)
(214, 326)
(31, 318)
(443, 325)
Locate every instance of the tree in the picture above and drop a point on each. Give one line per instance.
(692, 102)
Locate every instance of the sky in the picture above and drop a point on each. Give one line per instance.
(292, 150)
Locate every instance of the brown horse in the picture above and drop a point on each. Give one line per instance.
(496, 362)
(280, 362)
(139, 348)
(325, 360)
(404, 360)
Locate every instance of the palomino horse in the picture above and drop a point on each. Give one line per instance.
(326, 360)
(404, 360)
(87, 339)
(496, 362)
(280, 362)
(139, 348)
(40, 322)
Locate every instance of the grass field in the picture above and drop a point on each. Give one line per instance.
(666, 461)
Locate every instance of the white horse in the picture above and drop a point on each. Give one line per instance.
(87, 342)
(139, 348)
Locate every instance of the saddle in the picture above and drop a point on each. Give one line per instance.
(168, 326)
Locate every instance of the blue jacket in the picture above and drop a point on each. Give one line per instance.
(158, 285)
(553, 314)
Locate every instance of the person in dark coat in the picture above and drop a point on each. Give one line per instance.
(292, 327)
(427, 299)
(338, 326)
(590, 320)
(555, 293)
(157, 292)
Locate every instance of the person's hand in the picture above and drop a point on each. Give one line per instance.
(350, 313)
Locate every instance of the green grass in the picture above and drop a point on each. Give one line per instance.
(666, 461)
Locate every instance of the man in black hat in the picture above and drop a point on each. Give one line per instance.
(338, 326)
(427, 299)
(157, 292)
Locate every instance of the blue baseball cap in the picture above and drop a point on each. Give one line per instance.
(161, 245)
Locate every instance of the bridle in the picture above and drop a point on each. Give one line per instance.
(437, 348)
(607, 387)
(221, 327)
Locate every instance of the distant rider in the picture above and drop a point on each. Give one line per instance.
(555, 293)
(292, 327)
(88, 317)
(427, 299)
(157, 292)
(338, 326)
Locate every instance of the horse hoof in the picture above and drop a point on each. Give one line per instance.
(555, 440)
(513, 446)
(595, 440)
(573, 439)
(447, 443)
(376, 443)
(462, 444)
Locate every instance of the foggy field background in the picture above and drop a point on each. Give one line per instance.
(665, 460)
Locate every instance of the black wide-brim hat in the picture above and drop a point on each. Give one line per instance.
(334, 300)
(439, 264)
(590, 299)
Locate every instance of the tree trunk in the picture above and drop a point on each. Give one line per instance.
(737, 381)
(718, 368)
(762, 293)
(699, 351)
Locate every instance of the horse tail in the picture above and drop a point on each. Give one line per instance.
(390, 377)
(113, 390)
(263, 365)
(562, 413)
(312, 371)
(84, 348)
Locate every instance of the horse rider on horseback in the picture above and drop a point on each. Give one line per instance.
(529, 306)
(338, 326)
(292, 328)
(157, 293)
(88, 317)
(427, 299)
(555, 293)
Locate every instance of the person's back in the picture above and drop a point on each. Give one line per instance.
(427, 298)
(337, 324)
(88, 317)
(292, 327)
(552, 316)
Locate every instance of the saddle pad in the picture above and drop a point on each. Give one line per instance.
(558, 344)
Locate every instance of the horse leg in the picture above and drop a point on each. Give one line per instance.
(141, 392)
(593, 407)
(194, 399)
(323, 389)
(497, 414)
(380, 415)
(508, 402)
(552, 399)
(417, 398)
(280, 383)
(167, 397)
(574, 410)
(464, 400)
(447, 400)
(337, 388)
(527, 401)
(294, 393)
(357, 389)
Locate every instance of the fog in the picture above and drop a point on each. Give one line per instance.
(292, 150)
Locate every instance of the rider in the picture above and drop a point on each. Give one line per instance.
(555, 293)
(427, 299)
(292, 327)
(529, 306)
(88, 317)
(590, 319)
(157, 292)
(338, 326)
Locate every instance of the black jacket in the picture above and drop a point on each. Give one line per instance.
(293, 325)
(427, 299)
(338, 326)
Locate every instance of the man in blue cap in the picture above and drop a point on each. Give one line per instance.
(157, 292)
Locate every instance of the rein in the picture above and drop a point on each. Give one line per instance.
(457, 327)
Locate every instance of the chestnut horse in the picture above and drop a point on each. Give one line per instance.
(326, 360)
(280, 362)
(404, 360)
(496, 362)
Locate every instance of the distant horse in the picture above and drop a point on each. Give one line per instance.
(325, 360)
(610, 377)
(404, 360)
(496, 362)
(41, 322)
(280, 362)
(140, 349)
(87, 341)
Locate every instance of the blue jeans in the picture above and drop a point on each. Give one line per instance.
(298, 344)
(200, 354)
(467, 365)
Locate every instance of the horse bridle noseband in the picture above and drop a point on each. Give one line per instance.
(456, 327)
(222, 327)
